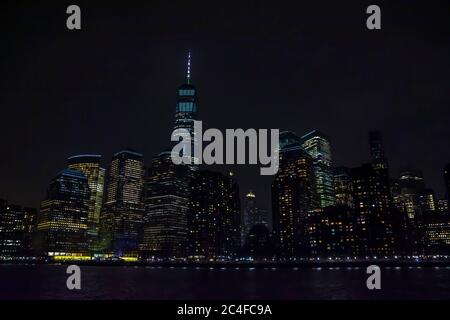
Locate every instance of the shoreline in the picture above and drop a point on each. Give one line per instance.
(254, 265)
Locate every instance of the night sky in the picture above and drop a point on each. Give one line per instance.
(312, 65)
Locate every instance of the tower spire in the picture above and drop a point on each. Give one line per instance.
(188, 75)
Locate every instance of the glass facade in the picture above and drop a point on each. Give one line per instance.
(166, 209)
(214, 217)
(319, 148)
(63, 218)
(90, 166)
(123, 209)
(293, 198)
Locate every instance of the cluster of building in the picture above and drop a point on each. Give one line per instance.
(169, 211)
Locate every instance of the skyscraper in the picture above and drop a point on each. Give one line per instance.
(252, 215)
(166, 209)
(343, 186)
(410, 195)
(371, 196)
(319, 148)
(377, 150)
(123, 209)
(90, 166)
(332, 232)
(63, 218)
(186, 109)
(293, 197)
(168, 189)
(214, 216)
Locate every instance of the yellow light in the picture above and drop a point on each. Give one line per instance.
(129, 258)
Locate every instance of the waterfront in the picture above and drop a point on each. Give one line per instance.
(114, 282)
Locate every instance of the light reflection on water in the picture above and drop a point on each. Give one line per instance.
(49, 282)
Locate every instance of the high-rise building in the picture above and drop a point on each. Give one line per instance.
(332, 232)
(123, 209)
(16, 229)
(377, 150)
(214, 216)
(343, 186)
(252, 215)
(90, 166)
(63, 218)
(168, 189)
(426, 200)
(30, 216)
(166, 209)
(318, 147)
(410, 195)
(293, 197)
(371, 195)
(186, 110)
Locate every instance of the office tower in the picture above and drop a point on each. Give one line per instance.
(186, 109)
(166, 209)
(410, 195)
(318, 147)
(90, 166)
(252, 215)
(293, 197)
(123, 208)
(426, 200)
(16, 229)
(29, 222)
(214, 216)
(332, 233)
(343, 186)
(377, 150)
(63, 218)
(371, 195)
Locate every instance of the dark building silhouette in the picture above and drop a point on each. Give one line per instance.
(293, 197)
(214, 216)
(167, 205)
(377, 150)
(123, 208)
(63, 217)
(252, 215)
(318, 147)
(258, 243)
(17, 225)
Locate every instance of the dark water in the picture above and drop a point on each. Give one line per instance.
(49, 282)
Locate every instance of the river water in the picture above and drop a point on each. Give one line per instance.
(114, 282)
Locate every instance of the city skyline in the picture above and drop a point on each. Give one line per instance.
(394, 82)
(187, 211)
